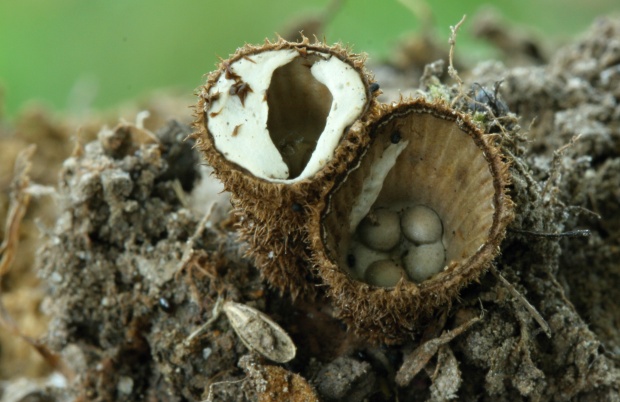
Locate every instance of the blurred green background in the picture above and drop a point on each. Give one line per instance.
(76, 54)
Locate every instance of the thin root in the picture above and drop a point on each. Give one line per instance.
(188, 251)
(451, 70)
(531, 309)
(215, 314)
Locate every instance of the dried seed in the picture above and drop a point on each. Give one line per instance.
(259, 332)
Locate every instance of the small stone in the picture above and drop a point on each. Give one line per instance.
(125, 385)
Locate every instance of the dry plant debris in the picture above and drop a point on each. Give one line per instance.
(417, 360)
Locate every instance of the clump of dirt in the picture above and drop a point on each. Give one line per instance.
(133, 270)
(126, 284)
(574, 100)
(54, 138)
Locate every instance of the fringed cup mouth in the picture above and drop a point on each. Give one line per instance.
(421, 215)
(277, 122)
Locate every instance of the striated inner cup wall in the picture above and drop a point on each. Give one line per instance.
(440, 167)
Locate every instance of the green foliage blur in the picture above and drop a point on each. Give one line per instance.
(74, 55)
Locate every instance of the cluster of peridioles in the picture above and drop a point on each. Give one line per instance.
(392, 242)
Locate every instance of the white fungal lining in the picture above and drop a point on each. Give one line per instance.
(374, 183)
(240, 130)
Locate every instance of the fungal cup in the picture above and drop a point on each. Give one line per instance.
(276, 122)
(434, 172)
(391, 209)
(286, 109)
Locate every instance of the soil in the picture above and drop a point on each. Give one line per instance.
(134, 258)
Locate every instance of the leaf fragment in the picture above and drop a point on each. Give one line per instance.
(260, 333)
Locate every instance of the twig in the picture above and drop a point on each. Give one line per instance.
(523, 169)
(177, 187)
(419, 357)
(531, 309)
(189, 245)
(451, 70)
(584, 210)
(570, 233)
(555, 165)
(215, 314)
(210, 394)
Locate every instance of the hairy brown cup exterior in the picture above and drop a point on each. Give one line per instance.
(273, 214)
(448, 164)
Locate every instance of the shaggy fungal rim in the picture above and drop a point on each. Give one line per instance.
(239, 123)
(393, 314)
